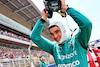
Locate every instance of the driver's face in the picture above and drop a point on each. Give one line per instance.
(55, 33)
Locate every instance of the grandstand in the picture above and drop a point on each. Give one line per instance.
(95, 43)
(17, 18)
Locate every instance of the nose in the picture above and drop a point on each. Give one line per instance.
(55, 35)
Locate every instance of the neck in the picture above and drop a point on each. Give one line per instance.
(69, 38)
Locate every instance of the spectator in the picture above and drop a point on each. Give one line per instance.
(5, 33)
(96, 51)
(92, 58)
(43, 62)
(19, 57)
(2, 32)
(11, 55)
(10, 34)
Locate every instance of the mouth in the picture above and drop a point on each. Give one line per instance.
(57, 39)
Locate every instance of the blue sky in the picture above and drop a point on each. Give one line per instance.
(90, 8)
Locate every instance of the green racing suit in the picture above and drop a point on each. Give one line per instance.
(66, 55)
(43, 64)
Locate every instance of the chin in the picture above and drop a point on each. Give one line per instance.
(57, 41)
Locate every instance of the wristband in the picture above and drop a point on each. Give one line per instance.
(67, 9)
(42, 20)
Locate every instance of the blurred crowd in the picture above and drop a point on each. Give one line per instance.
(10, 34)
(7, 53)
(11, 53)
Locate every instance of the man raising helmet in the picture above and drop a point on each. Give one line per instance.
(67, 52)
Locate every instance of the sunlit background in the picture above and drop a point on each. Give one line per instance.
(90, 8)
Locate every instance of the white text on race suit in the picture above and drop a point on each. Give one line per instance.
(67, 56)
(73, 64)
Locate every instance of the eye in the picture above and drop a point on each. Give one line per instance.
(51, 33)
(57, 31)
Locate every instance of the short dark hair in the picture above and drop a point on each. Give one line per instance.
(52, 26)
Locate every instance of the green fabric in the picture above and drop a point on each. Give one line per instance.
(43, 64)
(66, 55)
